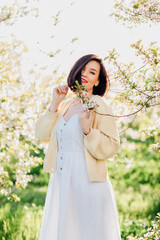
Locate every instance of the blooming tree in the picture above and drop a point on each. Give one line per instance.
(140, 88)
(134, 12)
(22, 99)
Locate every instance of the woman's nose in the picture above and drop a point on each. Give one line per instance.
(84, 73)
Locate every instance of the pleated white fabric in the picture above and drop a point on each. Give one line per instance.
(75, 208)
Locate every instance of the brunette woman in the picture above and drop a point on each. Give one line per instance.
(80, 202)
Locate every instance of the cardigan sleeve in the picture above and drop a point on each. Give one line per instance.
(103, 142)
(45, 123)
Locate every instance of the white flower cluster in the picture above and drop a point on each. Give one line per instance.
(153, 232)
(128, 163)
(89, 105)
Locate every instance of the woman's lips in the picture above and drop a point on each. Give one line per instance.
(83, 80)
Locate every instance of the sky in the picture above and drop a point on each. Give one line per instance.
(89, 22)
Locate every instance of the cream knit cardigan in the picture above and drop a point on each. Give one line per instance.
(100, 144)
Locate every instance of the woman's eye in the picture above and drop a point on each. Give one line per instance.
(93, 73)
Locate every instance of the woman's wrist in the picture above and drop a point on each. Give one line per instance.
(86, 133)
(52, 109)
(53, 106)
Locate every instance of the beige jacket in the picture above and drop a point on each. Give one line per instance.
(100, 144)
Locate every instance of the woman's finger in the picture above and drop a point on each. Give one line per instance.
(91, 113)
(65, 88)
(59, 90)
(87, 114)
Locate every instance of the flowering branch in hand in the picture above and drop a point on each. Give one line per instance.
(84, 96)
(89, 105)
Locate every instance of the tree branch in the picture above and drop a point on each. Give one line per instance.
(127, 114)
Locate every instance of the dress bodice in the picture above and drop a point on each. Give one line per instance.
(69, 135)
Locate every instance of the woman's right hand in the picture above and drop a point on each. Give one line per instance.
(59, 93)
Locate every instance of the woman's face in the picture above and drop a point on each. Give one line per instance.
(89, 75)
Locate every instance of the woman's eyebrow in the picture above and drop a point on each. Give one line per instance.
(93, 69)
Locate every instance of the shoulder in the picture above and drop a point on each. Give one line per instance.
(104, 105)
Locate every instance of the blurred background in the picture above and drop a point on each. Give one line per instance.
(40, 40)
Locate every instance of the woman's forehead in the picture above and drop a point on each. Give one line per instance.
(93, 64)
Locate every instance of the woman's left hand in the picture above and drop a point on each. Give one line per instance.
(85, 120)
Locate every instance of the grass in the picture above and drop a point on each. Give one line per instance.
(136, 190)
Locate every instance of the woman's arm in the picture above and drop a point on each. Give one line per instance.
(103, 142)
(45, 123)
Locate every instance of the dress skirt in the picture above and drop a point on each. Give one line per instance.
(76, 208)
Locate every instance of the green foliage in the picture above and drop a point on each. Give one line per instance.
(136, 190)
(134, 175)
(20, 221)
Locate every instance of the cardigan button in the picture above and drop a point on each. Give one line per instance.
(61, 168)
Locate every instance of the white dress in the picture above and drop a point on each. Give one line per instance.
(76, 208)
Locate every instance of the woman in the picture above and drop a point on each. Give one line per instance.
(80, 202)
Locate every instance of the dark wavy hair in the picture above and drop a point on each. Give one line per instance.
(75, 74)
